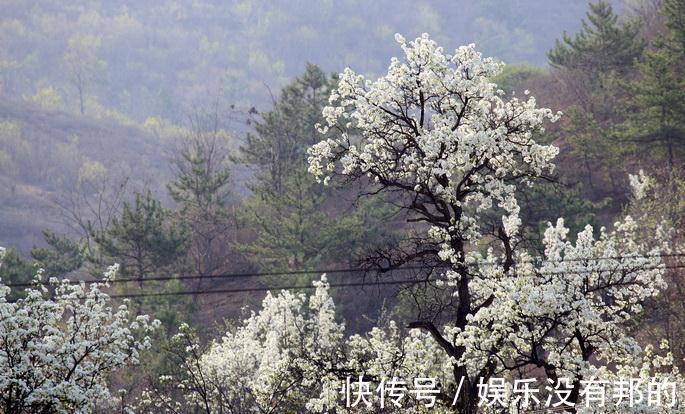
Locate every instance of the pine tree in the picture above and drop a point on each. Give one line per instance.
(596, 58)
(282, 136)
(674, 14)
(656, 117)
(303, 227)
(602, 45)
(15, 270)
(201, 189)
(142, 240)
(298, 224)
(593, 65)
(202, 177)
(61, 255)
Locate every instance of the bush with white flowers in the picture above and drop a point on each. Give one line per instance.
(59, 344)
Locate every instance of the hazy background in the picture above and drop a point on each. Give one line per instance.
(97, 88)
(158, 58)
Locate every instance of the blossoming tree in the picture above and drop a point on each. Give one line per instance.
(439, 137)
(437, 134)
(58, 345)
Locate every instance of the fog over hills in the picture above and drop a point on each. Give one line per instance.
(92, 89)
(160, 58)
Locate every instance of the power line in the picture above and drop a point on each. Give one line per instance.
(336, 285)
(331, 285)
(338, 271)
(266, 289)
(227, 275)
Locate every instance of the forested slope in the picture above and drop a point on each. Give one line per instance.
(49, 155)
(161, 58)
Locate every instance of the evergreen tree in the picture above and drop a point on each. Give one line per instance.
(656, 109)
(303, 227)
(674, 15)
(202, 177)
(61, 255)
(602, 45)
(298, 224)
(142, 240)
(593, 65)
(201, 189)
(596, 58)
(282, 136)
(15, 270)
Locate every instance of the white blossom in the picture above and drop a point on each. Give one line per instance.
(57, 349)
(639, 183)
(436, 131)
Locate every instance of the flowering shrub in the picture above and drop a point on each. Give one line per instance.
(59, 343)
(291, 356)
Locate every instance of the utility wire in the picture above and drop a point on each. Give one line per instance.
(331, 285)
(337, 271)
(266, 289)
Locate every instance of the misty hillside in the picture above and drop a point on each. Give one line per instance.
(163, 58)
(48, 154)
(91, 86)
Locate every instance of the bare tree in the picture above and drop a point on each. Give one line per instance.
(88, 207)
(201, 189)
(84, 65)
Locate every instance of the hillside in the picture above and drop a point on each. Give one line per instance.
(126, 56)
(45, 154)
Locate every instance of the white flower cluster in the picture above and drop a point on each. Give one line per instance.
(291, 356)
(436, 124)
(570, 309)
(59, 344)
(639, 183)
(437, 130)
(284, 342)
